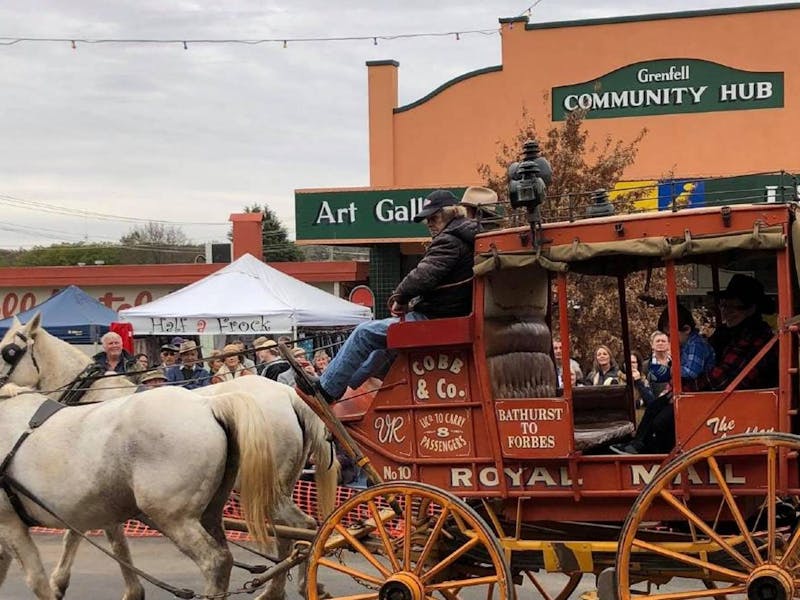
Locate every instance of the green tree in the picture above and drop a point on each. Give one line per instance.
(69, 254)
(158, 243)
(580, 165)
(277, 245)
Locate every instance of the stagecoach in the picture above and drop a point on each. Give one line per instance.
(487, 473)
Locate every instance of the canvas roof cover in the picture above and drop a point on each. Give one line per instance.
(71, 315)
(244, 297)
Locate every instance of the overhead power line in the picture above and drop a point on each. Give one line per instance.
(284, 41)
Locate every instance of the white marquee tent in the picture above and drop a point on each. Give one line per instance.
(245, 297)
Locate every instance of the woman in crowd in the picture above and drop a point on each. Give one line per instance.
(605, 369)
(232, 366)
(321, 360)
(215, 361)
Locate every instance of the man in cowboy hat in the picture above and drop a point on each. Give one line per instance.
(742, 334)
(481, 204)
(190, 373)
(270, 362)
(439, 286)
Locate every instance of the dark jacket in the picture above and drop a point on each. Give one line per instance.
(448, 261)
(123, 365)
(272, 369)
(191, 378)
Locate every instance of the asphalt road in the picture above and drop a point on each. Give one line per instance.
(95, 577)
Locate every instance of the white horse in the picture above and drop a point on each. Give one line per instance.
(161, 453)
(51, 364)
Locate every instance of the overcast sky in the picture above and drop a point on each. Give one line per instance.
(159, 132)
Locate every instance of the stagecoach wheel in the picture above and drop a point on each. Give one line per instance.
(436, 547)
(564, 589)
(746, 544)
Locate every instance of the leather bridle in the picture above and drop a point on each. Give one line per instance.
(12, 354)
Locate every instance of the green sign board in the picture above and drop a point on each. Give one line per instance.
(369, 215)
(669, 86)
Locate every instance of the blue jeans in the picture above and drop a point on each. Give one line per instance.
(364, 354)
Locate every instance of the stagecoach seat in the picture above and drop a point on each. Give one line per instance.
(601, 415)
(518, 357)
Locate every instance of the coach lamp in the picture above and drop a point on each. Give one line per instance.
(527, 185)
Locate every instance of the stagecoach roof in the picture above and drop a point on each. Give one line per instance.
(579, 253)
(244, 297)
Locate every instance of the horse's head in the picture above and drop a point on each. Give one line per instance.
(17, 357)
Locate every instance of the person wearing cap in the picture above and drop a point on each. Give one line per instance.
(439, 286)
(270, 362)
(113, 358)
(246, 361)
(191, 373)
(169, 356)
(740, 337)
(481, 205)
(151, 379)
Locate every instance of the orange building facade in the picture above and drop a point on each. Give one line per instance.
(716, 90)
(734, 128)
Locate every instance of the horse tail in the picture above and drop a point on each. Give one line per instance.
(258, 485)
(326, 465)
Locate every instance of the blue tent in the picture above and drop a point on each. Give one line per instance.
(71, 315)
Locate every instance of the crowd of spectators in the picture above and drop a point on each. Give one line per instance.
(180, 362)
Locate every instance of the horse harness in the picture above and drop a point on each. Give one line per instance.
(46, 410)
(12, 354)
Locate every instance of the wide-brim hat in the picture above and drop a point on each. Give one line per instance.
(154, 375)
(188, 346)
(169, 348)
(434, 202)
(262, 343)
(749, 291)
(482, 199)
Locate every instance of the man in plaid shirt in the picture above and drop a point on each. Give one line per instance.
(742, 335)
(697, 355)
(656, 431)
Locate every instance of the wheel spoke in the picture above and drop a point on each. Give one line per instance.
(349, 571)
(772, 474)
(362, 550)
(734, 589)
(450, 559)
(407, 532)
(462, 583)
(700, 524)
(387, 543)
(737, 515)
(791, 548)
(537, 585)
(437, 528)
(689, 560)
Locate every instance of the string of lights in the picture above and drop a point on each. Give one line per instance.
(284, 41)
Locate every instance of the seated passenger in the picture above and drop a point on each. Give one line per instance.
(574, 367)
(439, 286)
(697, 355)
(742, 334)
(605, 369)
(659, 345)
(656, 431)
